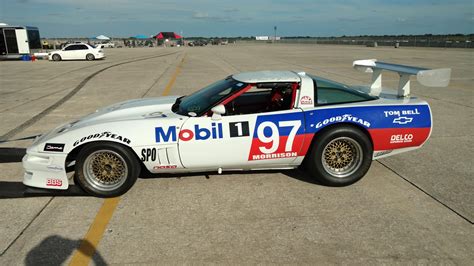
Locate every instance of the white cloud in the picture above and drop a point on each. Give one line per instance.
(200, 15)
(297, 17)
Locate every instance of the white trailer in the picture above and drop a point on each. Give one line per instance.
(16, 41)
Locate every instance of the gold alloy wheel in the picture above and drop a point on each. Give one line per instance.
(342, 157)
(105, 170)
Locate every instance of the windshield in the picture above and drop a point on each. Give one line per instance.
(201, 101)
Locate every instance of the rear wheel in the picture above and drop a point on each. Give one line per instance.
(56, 57)
(90, 57)
(106, 169)
(340, 156)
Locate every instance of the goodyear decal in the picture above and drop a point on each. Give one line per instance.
(371, 117)
(390, 127)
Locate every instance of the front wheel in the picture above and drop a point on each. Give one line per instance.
(56, 57)
(340, 156)
(106, 169)
(90, 57)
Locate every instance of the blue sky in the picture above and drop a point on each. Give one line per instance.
(123, 18)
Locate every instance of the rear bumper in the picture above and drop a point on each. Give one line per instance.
(45, 170)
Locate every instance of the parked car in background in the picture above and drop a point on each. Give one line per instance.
(77, 51)
(197, 43)
(108, 45)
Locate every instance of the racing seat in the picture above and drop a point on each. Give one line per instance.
(280, 99)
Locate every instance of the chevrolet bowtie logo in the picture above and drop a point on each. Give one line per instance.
(402, 120)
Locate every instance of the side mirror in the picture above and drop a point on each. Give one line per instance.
(217, 112)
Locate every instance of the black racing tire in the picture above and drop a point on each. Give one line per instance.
(56, 57)
(106, 169)
(90, 57)
(340, 156)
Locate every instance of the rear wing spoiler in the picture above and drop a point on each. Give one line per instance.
(427, 77)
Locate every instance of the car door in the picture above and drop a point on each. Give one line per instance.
(79, 52)
(69, 52)
(242, 141)
(82, 51)
(22, 41)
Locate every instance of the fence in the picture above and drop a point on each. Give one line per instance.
(413, 42)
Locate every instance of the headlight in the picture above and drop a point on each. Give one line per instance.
(37, 139)
(66, 127)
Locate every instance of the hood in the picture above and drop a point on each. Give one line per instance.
(129, 110)
(132, 109)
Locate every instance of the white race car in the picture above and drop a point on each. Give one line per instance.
(77, 51)
(248, 121)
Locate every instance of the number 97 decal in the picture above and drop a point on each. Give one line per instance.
(276, 139)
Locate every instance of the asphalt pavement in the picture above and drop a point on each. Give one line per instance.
(412, 208)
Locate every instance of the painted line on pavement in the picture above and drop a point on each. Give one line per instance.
(170, 84)
(89, 243)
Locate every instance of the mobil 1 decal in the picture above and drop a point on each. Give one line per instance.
(239, 129)
(277, 136)
(198, 132)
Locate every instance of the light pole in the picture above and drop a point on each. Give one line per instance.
(275, 33)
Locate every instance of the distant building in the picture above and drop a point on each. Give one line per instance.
(267, 38)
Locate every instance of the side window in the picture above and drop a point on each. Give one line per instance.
(3, 47)
(71, 48)
(83, 47)
(262, 97)
(335, 95)
(329, 92)
(33, 38)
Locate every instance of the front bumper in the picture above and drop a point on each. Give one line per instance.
(45, 170)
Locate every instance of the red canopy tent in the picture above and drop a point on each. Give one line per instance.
(167, 35)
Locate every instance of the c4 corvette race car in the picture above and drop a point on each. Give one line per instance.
(247, 121)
